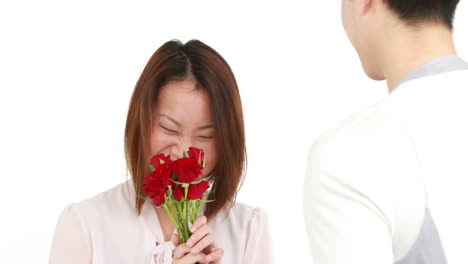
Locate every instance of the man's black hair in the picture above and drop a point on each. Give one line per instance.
(416, 11)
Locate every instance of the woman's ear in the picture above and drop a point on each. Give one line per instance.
(364, 6)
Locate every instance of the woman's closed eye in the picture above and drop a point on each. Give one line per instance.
(205, 137)
(168, 130)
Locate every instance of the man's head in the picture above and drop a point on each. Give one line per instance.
(369, 24)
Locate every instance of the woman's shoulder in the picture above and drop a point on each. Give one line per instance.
(242, 223)
(246, 210)
(242, 214)
(116, 200)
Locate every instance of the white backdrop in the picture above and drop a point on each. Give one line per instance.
(68, 68)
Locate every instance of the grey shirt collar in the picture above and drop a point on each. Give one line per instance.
(436, 66)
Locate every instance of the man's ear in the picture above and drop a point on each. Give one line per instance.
(365, 6)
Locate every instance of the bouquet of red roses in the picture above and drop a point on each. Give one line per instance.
(178, 187)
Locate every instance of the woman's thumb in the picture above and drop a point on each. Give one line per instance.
(175, 239)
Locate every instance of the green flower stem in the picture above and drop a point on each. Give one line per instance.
(183, 211)
(179, 220)
(178, 209)
(186, 186)
(168, 210)
(194, 210)
(197, 207)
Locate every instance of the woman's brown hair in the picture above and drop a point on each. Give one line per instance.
(212, 74)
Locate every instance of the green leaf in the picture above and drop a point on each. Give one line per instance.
(144, 197)
(185, 154)
(151, 168)
(206, 194)
(194, 182)
(197, 182)
(206, 201)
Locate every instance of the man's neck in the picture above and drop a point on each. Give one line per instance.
(404, 49)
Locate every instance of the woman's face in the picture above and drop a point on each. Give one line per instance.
(183, 119)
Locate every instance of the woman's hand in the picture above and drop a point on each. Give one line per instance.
(200, 247)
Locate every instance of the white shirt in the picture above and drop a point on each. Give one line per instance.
(389, 184)
(106, 229)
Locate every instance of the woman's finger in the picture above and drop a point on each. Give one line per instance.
(191, 259)
(199, 234)
(201, 220)
(202, 244)
(215, 255)
(180, 251)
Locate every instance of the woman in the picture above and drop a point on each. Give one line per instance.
(187, 96)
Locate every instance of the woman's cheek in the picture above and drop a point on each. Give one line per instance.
(159, 142)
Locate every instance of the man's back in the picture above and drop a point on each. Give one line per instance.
(388, 185)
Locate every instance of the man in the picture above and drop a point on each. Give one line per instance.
(389, 185)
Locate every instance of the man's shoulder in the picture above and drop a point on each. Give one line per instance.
(369, 161)
(369, 149)
(383, 119)
(368, 128)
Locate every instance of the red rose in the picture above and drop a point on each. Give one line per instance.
(178, 192)
(157, 183)
(197, 155)
(187, 170)
(159, 159)
(196, 191)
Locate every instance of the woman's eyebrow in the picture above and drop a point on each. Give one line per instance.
(171, 119)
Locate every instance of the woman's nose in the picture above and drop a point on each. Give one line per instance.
(179, 147)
